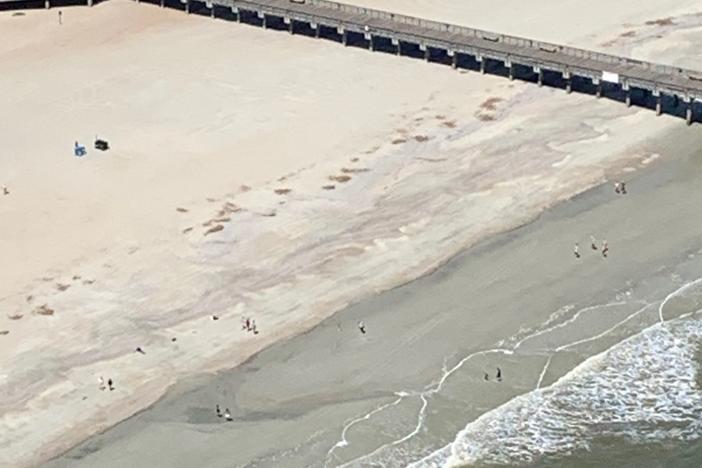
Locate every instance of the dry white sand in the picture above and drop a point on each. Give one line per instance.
(196, 109)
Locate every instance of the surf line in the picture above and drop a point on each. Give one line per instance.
(424, 395)
(343, 442)
(586, 340)
(425, 402)
(675, 293)
(543, 371)
(447, 373)
(571, 320)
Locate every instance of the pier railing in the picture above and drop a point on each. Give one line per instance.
(504, 38)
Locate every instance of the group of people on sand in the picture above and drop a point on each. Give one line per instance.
(101, 384)
(249, 325)
(619, 188)
(498, 375)
(593, 246)
(226, 415)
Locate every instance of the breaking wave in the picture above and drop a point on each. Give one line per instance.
(643, 389)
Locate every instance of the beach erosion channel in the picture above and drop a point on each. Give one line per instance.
(238, 189)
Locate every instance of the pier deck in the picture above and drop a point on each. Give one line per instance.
(686, 84)
(514, 54)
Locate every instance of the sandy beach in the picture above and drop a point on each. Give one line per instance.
(403, 391)
(254, 174)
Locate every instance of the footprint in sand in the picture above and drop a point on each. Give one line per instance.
(44, 309)
(340, 178)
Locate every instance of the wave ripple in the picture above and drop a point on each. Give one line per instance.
(643, 389)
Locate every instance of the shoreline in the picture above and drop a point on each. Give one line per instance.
(288, 253)
(582, 203)
(214, 365)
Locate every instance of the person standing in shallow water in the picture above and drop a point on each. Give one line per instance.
(576, 250)
(362, 327)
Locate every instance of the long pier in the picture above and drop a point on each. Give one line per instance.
(677, 90)
(665, 88)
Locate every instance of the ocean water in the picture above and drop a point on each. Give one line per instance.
(638, 403)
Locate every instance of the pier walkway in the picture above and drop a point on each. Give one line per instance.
(661, 87)
(516, 56)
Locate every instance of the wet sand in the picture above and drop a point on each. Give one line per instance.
(407, 387)
(233, 192)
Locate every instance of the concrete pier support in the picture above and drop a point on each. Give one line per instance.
(659, 106)
(187, 7)
(317, 29)
(345, 38)
(569, 85)
(511, 70)
(212, 13)
(162, 3)
(598, 88)
(370, 43)
(688, 112)
(399, 48)
(47, 4)
(482, 65)
(291, 26)
(90, 3)
(265, 22)
(540, 77)
(454, 60)
(427, 54)
(628, 98)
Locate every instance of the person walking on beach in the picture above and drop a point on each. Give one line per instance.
(605, 248)
(499, 375)
(486, 376)
(593, 244)
(576, 250)
(227, 415)
(5, 191)
(622, 185)
(617, 187)
(101, 383)
(139, 350)
(109, 384)
(218, 411)
(362, 327)
(253, 327)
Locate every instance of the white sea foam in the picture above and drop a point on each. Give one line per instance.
(600, 396)
(642, 389)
